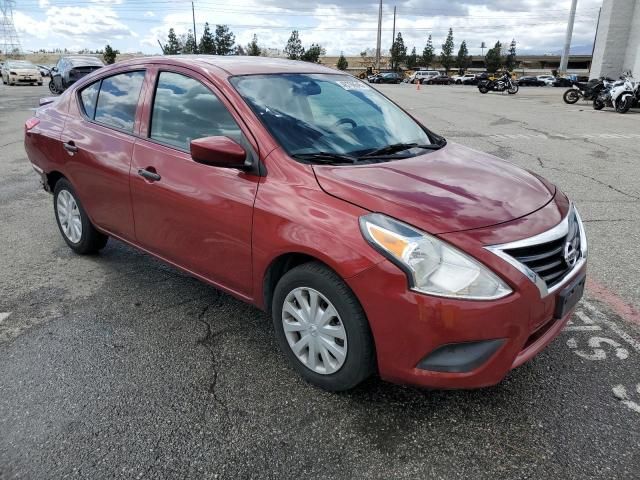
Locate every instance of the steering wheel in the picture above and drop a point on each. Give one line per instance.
(342, 121)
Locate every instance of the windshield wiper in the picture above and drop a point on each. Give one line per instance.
(326, 157)
(400, 147)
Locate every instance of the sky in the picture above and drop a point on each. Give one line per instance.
(538, 26)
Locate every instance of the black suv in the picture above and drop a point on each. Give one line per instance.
(70, 69)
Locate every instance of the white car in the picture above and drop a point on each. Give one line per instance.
(20, 71)
(547, 79)
(459, 79)
(423, 76)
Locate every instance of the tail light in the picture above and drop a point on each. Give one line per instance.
(30, 124)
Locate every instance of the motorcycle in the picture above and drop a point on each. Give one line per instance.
(501, 84)
(587, 91)
(620, 95)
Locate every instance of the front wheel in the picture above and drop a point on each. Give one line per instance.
(624, 104)
(571, 96)
(513, 89)
(598, 103)
(322, 328)
(483, 89)
(52, 88)
(73, 222)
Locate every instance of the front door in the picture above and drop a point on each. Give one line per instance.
(196, 216)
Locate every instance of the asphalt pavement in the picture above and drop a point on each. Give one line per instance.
(117, 366)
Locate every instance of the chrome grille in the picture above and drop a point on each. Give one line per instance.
(549, 258)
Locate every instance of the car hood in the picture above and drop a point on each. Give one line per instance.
(26, 71)
(448, 190)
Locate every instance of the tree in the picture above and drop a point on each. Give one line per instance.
(109, 55)
(342, 62)
(427, 54)
(224, 40)
(368, 57)
(189, 45)
(446, 57)
(253, 49)
(510, 62)
(463, 60)
(294, 50)
(312, 54)
(398, 52)
(412, 59)
(240, 51)
(173, 45)
(207, 43)
(493, 59)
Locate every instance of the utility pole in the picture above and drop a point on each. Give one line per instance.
(9, 41)
(195, 39)
(393, 37)
(595, 39)
(379, 36)
(483, 46)
(564, 61)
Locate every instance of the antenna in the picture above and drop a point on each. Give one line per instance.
(9, 41)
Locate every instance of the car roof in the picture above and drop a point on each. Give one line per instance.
(83, 60)
(234, 64)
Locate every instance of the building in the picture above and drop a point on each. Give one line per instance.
(618, 39)
(526, 64)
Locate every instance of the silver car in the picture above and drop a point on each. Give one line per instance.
(20, 71)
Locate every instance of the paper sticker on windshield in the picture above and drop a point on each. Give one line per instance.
(352, 85)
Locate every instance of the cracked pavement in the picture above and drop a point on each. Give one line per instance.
(118, 366)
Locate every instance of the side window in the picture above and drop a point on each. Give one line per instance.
(88, 97)
(184, 109)
(118, 100)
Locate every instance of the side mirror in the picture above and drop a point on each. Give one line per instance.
(218, 152)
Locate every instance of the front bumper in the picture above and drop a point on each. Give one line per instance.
(407, 327)
(21, 78)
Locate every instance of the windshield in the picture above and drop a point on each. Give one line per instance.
(330, 113)
(21, 64)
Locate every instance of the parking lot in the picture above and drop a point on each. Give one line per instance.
(117, 366)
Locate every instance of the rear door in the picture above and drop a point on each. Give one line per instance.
(196, 216)
(98, 139)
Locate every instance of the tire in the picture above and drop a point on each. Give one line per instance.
(459, 82)
(359, 361)
(52, 87)
(598, 104)
(513, 90)
(89, 240)
(483, 89)
(571, 96)
(39, 84)
(623, 107)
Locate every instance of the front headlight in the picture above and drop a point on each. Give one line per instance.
(432, 266)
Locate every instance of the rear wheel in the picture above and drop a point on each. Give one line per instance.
(73, 222)
(322, 329)
(571, 96)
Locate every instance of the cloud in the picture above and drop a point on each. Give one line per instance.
(537, 25)
(92, 25)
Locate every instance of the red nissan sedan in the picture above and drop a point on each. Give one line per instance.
(377, 246)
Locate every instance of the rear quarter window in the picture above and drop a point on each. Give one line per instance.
(88, 97)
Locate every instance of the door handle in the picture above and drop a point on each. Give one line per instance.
(70, 147)
(149, 175)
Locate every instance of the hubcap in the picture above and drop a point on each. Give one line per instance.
(69, 216)
(314, 330)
